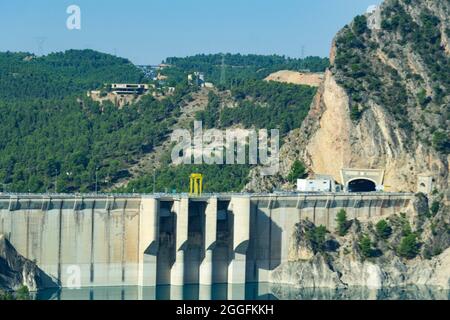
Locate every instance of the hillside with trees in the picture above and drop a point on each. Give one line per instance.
(53, 138)
(405, 63)
(257, 105)
(261, 105)
(228, 71)
(58, 75)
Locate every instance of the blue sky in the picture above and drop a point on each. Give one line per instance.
(147, 31)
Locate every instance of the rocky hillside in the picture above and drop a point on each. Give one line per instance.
(398, 251)
(384, 102)
(304, 78)
(16, 271)
(54, 138)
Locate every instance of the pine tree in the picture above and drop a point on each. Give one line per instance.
(342, 223)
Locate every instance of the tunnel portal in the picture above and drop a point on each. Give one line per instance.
(362, 180)
(361, 185)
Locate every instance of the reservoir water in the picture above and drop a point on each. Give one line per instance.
(261, 291)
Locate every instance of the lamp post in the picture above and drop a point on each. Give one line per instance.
(154, 181)
(96, 180)
(69, 175)
(56, 181)
(154, 170)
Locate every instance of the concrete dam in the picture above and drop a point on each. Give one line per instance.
(149, 240)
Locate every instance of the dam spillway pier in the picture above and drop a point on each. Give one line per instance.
(150, 240)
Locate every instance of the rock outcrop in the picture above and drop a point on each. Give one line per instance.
(16, 271)
(304, 78)
(384, 102)
(345, 266)
(315, 273)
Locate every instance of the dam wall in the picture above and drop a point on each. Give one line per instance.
(100, 240)
(96, 239)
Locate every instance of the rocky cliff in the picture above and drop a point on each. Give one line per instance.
(16, 271)
(384, 103)
(370, 256)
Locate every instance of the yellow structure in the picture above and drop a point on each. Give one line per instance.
(196, 184)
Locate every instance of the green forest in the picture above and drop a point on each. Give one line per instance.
(261, 105)
(228, 71)
(58, 75)
(217, 178)
(53, 138)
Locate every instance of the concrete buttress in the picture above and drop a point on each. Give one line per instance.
(148, 241)
(240, 206)
(206, 267)
(181, 209)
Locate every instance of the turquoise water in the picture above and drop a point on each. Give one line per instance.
(262, 291)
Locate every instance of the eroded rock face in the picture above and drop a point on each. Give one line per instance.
(318, 273)
(315, 273)
(435, 272)
(374, 142)
(345, 266)
(388, 133)
(16, 271)
(300, 248)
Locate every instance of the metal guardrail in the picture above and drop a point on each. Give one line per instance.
(205, 195)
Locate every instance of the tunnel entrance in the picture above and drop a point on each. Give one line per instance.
(361, 185)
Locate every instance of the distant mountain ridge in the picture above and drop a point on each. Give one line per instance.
(58, 75)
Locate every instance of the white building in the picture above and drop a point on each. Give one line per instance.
(127, 88)
(208, 85)
(197, 77)
(425, 183)
(314, 185)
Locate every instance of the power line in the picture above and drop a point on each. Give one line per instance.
(303, 49)
(223, 71)
(40, 44)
